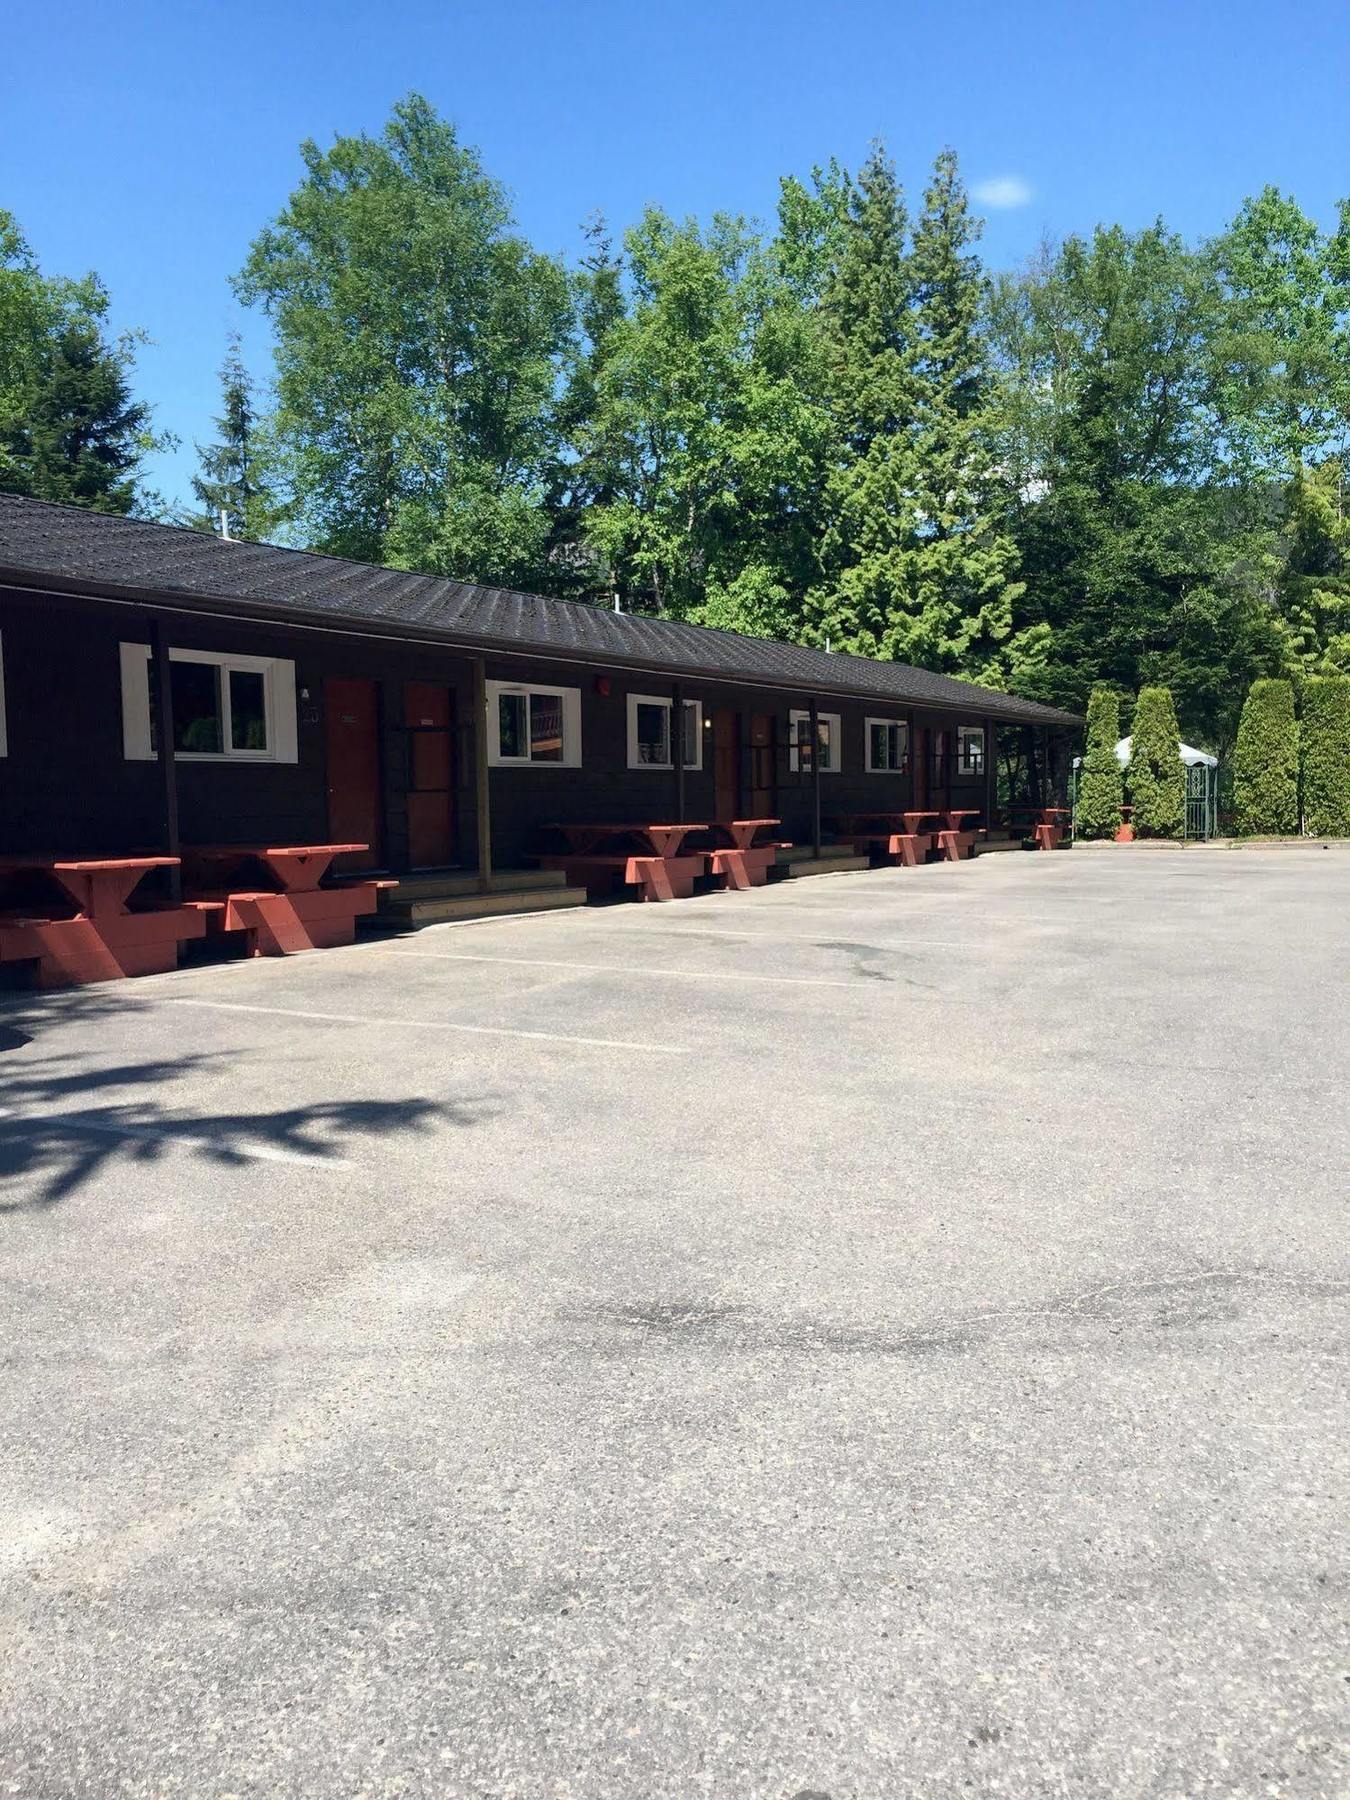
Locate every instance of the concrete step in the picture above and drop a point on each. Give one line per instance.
(450, 885)
(442, 909)
(991, 845)
(801, 860)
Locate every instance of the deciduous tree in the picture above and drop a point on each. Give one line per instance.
(419, 339)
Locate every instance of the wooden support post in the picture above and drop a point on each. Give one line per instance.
(815, 776)
(990, 789)
(168, 768)
(480, 769)
(677, 747)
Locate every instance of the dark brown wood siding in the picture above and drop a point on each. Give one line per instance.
(67, 786)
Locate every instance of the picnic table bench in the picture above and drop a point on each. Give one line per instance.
(71, 917)
(272, 894)
(599, 856)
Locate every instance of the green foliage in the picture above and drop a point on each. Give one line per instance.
(419, 341)
(70, 429)
(1324, 739)
(1265, 762)
(1314, 576)
(699, 423)
(1278, 352)
(1157, 776)
(915, 565)
(1101, 781)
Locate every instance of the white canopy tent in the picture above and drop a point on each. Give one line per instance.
(1202, 785)
(1191, 758)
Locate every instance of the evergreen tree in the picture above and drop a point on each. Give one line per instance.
(233, 481)
(1324, 739)
(1157, 776)
(871, 504)
(964, 561)
(1100, 781)
(916, 566)
(1265, 762)
(70, 428)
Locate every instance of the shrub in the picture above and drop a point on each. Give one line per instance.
(1265, 762)
(1101, 783)
(1157, 775)
(1324, 740)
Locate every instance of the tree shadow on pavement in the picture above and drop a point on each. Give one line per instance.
(63, 1122)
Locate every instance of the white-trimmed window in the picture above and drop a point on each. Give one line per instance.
(887, 746)
(4, 733)
(970, 749)
(830, 737)
(529, 725)
(649, 732)
(226, 708)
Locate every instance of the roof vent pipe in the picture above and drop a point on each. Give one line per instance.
(225, 537)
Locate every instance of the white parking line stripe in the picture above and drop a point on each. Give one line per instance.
(327, 1018)
(186, 1140)
(643, 969)
(771, 937)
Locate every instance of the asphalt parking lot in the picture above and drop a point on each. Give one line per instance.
(881, 1335)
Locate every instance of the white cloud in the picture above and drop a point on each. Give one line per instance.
(1003, 190)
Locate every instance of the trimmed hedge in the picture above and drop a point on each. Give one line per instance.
(1324, 740)
(1265, 763)
(1157, 775)
(1101, 782)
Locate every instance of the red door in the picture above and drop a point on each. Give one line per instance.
(351, 718)
(762, 783)
(426, 716)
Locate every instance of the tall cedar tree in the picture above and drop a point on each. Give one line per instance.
(1157, 775)
(1265, 762)
(1101, 780)
(419, 342)
(70, 428)
(1324, 739)
(232, 480)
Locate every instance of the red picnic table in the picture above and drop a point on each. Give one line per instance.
(889, 833)
(954, 840)
(1046, 824)
(71, 916)
(293, 913)
(744, 864)
(657, 868)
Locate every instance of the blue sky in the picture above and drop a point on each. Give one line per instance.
(150, 141)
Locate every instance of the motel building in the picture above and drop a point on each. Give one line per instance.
(172, 703)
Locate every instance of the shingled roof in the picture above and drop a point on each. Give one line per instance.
(46, 546)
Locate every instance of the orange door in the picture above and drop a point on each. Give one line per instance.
(431, 770)
(726, 762)
(351, 720)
